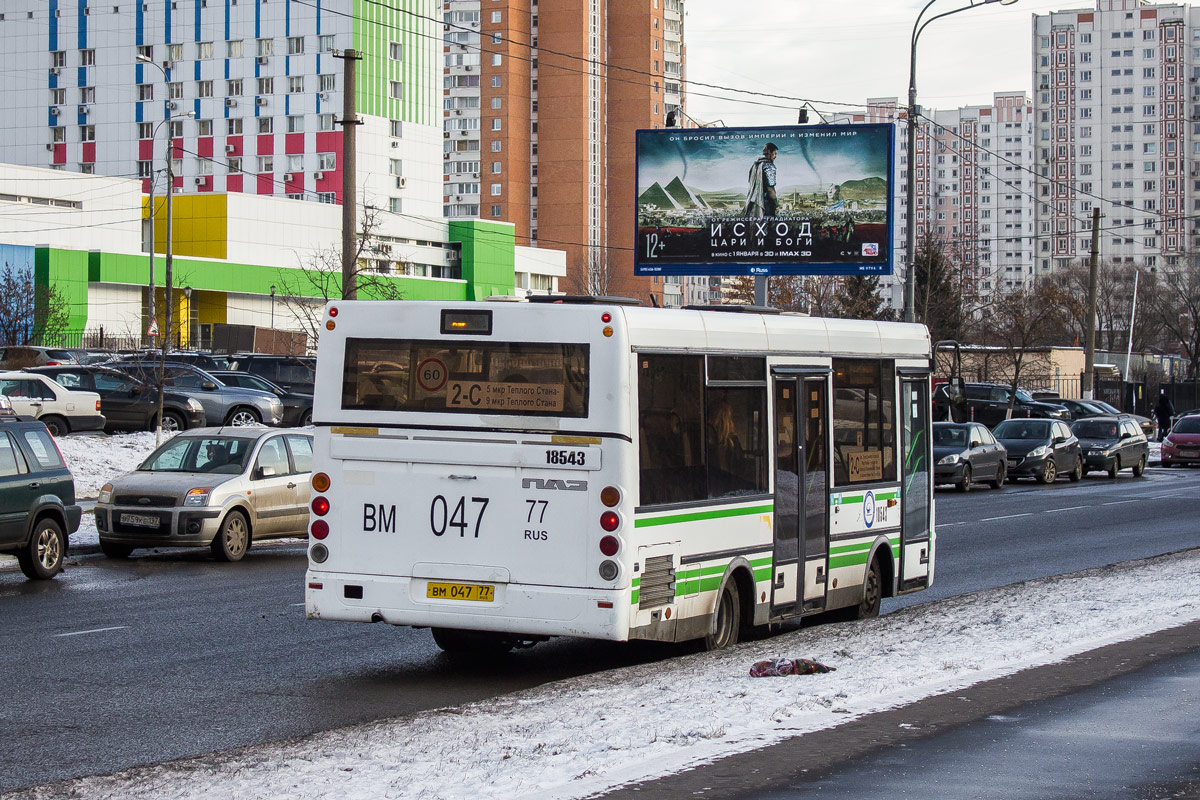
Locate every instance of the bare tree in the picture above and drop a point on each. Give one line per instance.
(938, 294)
(1174, 302)
(304, 292)
(1018, 322)
(30, 314)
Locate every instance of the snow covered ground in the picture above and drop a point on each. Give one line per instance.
(576, 737)
(96, 460)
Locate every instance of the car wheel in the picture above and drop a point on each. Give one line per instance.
(1077, 473)
(469, 643)
(243, 416)
(306, 418)
(1114, 467)
(1049, 472)
(56, 425)
(1001, 474)
(727, 620)
(233, 539)
(173, 423)
(114, 550)
(42, 556)
(1139, 467)
(965, 484)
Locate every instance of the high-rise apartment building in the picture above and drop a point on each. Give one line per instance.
(248, 92)
(974, 189)
(1117, 111)
(540, 105)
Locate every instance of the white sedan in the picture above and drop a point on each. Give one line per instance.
(62, 410)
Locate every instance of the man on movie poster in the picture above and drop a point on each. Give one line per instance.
(761, 200)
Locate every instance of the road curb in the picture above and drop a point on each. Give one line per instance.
(812, 756)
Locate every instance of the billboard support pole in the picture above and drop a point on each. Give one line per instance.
(760, 290)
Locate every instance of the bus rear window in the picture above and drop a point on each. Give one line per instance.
(526, 378)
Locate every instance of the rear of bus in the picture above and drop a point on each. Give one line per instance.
(472, 467)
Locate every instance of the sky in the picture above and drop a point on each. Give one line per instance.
(572, 738)
(844, 51)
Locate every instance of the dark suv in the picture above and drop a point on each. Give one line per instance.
(37, 498)
(1111, 444)
(126, 402)
(988, 403)
(293, 373)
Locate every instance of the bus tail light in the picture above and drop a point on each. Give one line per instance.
(610, 496)
(333, 312)
(318, 553)
(320, 529)
(610, 521)
(609, 546)
(320, 482)
(609, 570)
(320, 506)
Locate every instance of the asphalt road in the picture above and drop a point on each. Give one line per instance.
(120, 663)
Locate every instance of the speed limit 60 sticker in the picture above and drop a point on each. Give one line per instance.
(431, 374)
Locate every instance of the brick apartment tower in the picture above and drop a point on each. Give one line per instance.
(541, 103)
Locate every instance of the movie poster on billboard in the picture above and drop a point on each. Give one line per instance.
(811, 200)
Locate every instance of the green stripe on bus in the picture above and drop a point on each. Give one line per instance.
(858, 498)
(636, 582)
(763, 574)
(851, 560)
(718, 513)
(633, 597)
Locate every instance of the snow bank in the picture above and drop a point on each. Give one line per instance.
(96, 460)
(576, 737)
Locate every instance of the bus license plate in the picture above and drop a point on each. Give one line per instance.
(461, 591)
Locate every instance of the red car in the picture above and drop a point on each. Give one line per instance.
(1182, 445)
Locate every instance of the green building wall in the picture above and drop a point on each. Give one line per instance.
(488, 256)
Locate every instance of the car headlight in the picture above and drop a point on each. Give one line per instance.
(1038, 452)
(198, 497)
(194, 405)
(105, 495)
(953, 458)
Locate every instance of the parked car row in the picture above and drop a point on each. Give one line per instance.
(988, 403)
(123, 395)
(221, 488)
(967, 453)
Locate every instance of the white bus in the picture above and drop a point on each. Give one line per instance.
(504, 472)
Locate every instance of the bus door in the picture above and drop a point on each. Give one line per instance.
(916, 497)
(801, 494)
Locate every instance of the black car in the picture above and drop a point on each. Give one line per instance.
(294, 373)
(1149, 426)
(1041, 449)
(966, 452)
(127, 403)
(297, 406)
(1111, 444)
(199, 360)
(988, 403)
(37, 498)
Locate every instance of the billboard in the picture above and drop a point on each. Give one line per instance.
(811, 200)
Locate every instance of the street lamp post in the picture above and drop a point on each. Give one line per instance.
(272, 312)
(165, 333)
(187, 326)
(911, 226)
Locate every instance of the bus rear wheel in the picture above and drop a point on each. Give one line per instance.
(727, 619)
(470, 643)
(872, 593)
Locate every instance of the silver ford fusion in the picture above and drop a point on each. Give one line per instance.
(221, 487)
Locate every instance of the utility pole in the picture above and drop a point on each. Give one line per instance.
(1089, 362)
(349, 123)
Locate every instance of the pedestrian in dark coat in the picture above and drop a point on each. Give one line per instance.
(1164, 410)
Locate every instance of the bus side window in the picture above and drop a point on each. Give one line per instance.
(864, 430)
(670, 428)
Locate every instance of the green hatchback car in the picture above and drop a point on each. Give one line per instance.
(37, 498)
